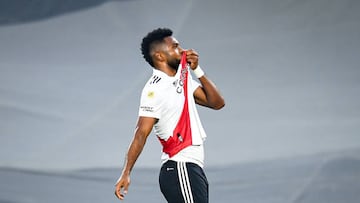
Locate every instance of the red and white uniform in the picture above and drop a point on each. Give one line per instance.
(178, 128)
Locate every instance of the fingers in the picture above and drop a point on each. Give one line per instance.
(118, 192)
(119, 195)
(121, 186)
(192, 54)
(192, 57)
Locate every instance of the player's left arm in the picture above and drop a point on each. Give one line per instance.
(207, 94)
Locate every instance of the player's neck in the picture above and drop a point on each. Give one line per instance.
(167, 70)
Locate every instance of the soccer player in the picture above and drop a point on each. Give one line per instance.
(168, 106)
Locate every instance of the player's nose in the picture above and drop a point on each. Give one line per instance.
(182, 50)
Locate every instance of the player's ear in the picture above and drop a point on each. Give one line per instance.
(159, 56)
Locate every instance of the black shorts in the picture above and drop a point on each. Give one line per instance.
(182, 182)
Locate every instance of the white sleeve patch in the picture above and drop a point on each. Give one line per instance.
(150, 104)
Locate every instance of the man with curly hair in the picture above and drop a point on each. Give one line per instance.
(167, 105)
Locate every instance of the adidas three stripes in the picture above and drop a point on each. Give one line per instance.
(182, 182)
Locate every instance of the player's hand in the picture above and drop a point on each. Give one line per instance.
(192, 57)
(122, 185)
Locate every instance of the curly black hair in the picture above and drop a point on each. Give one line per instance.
(152, 38)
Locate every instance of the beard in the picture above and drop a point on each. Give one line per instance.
(174, 63)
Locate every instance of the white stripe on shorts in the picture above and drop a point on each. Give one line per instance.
(184, 182)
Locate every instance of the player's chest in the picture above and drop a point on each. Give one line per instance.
(174, 97)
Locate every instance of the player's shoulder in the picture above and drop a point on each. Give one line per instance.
(154, 84)
(157, 81)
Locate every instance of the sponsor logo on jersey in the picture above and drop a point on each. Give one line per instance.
(180, 83)
(147, 108)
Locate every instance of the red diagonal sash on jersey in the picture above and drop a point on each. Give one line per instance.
(181, 137)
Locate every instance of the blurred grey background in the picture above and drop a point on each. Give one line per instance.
(71, 74)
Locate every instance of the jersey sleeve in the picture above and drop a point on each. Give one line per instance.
(193, 84)
(150, 103)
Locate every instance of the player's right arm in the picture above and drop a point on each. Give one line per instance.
(143, 128)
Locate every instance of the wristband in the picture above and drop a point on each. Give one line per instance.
(198, 72)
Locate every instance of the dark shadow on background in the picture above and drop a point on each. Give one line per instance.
(23, 11)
